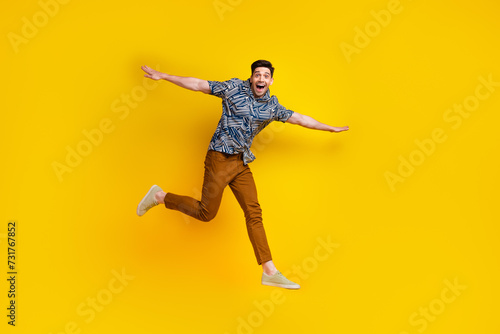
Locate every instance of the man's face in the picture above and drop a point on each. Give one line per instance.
(260, 81)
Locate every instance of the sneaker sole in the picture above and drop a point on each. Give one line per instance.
(277, 285)
(144, 198)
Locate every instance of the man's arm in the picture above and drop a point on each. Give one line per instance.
(194, 84)
(311, 123)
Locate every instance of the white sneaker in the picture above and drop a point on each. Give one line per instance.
(148, 201)
(279, 281)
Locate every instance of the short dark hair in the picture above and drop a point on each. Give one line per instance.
(263, 63)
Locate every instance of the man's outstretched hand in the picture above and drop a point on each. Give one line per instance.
(194, 84)
(152, 74)
(337, 129)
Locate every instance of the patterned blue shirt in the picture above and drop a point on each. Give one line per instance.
(243, 116)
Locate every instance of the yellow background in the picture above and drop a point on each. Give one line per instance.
(396, 248)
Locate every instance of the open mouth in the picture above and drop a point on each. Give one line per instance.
(260, 87)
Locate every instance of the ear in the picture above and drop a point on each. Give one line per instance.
(272, 80)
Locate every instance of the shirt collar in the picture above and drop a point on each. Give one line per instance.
(247, 87)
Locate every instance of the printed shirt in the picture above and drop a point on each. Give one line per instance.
(243, 116)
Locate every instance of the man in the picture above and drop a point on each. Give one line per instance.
(247, 108)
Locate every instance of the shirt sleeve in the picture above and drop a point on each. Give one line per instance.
(282, 114)
(220, 88)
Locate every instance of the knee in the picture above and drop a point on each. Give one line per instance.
(207, 216)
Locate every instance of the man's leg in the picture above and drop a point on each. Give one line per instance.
(220, 169)
(245, 191)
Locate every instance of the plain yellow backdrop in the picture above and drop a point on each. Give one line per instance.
(391, 227)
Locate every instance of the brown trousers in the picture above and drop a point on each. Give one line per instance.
(223, 169)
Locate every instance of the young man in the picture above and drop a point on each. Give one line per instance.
(247, 108)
